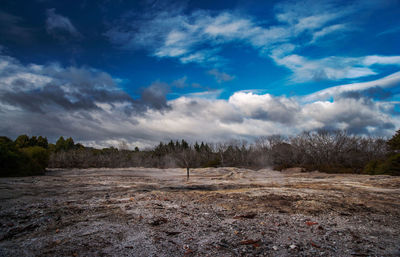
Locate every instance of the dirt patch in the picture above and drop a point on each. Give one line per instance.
(218, 212)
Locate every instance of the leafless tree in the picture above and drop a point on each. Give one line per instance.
(187, 158)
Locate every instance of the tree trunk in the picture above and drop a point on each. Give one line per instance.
(187, 173)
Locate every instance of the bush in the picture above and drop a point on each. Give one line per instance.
(38, 159)
(9, 157)
(27, 161)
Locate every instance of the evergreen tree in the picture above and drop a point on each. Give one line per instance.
(171, 146)
(185, 144)
(394, 142)
(60, 144)
(69, 144)
(197, 147)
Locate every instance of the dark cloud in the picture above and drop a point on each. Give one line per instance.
(376, 93)
(154, 96)
(359, 129)
(231, 118)
(69, 89)
(52, 91)
(53, 96)
(283, 115)
(79, 102)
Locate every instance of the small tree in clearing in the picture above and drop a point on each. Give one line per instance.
(186, 158)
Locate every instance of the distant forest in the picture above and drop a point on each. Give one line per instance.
(326, 151)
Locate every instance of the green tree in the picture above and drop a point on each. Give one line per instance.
(60, 144)
(33, 141)
(39, 159)
(42, 142)
(69, 144)
(22, 141)
(9, 157)
(389, 166)
(52, 147)
(26, 161)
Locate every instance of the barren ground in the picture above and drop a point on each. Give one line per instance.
(219, 212)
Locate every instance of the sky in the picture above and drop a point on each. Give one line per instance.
(141, 72)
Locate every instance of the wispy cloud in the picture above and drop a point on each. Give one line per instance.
(386, 82)
(220, 76)
(333, 29)
(381, 60)
(389, 31)
(199, 37)
(180, 83)
(193, 37)
(58, 25)
(333, 67)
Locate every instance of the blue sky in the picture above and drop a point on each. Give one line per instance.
(145, 71)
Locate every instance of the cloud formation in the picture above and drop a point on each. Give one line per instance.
(200, 36)
(386, 82)
(60, 26)
(88, 105)
(220, 76)
(54, 100)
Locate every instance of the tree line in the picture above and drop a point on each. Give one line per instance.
(326, 151)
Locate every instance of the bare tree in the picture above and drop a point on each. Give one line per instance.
(186, 158)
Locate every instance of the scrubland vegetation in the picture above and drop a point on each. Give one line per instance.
(23, 157)
(326, 151)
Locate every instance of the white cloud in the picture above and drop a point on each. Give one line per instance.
(190, 36)
(209, 94)
(354, 115)
(265, 107)
(87, 105)
(386, 82)
(333, 67)
(329, 30)
(381, 60)
(199, 37)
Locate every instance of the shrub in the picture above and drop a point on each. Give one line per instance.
(27, 161)
(38, 159)
(9, 157)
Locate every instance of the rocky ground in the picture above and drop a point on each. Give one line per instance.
(218, 212)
